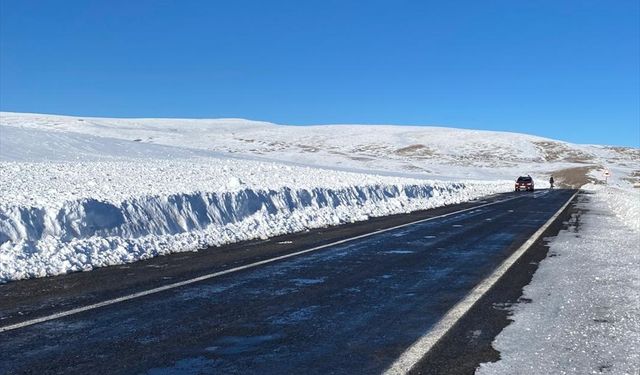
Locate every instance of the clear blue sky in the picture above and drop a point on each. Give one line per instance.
(563, 69)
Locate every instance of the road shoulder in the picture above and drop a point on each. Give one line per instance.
(469, 342)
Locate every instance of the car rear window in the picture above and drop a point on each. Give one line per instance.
(524, 179)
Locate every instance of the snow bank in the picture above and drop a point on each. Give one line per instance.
(625, 203)
(58, 217)
(584, 315)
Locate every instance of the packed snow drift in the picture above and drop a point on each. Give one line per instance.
(78, 193)
(60, 216)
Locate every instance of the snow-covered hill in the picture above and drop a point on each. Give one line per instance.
(445, 153)
(77, 193)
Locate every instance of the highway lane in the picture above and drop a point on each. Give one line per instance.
(350, 308)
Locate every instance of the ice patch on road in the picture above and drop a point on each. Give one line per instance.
(207, 291)
(399, 252)
(230, 345)
(304, 282)
(296, 316)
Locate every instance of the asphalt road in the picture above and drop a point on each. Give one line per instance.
(352, 308)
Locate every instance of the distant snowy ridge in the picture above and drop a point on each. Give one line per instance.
(425, 151)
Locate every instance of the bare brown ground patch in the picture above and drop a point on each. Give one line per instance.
(371, 149)
(555, 151)
(634, 178)
(574, 177)
(634, 153)
(414, 150)
(360, 158)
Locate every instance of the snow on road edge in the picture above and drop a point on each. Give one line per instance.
(584, 314)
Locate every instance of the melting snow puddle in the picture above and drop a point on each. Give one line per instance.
(240, 344)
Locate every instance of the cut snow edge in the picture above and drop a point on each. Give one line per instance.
(88, 233)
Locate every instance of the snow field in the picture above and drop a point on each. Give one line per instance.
(405, 151)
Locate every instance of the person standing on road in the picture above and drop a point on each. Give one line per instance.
(551, 181)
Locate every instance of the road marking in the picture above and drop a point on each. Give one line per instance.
(230, 270)
(423, 345)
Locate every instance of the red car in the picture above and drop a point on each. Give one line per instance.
(524, 183)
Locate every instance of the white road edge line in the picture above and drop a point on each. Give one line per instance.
(423, 345)
(228, 271)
